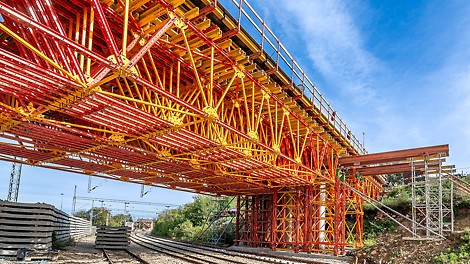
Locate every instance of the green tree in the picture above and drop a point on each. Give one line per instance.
(100, 214)
(119, 219)
(187, 222)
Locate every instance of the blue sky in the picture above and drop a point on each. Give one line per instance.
(399, 71)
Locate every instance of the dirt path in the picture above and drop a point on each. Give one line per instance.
(391, 248)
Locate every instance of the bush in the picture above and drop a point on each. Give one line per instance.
(459, 255)
(399, 198)
(373, 227)
(187, 222)
(60, 245)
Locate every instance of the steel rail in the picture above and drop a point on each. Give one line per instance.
(137, 257)
(229, 252)
(185, 246)
(108, 258)
(130, 253)
(239, 253)
(188, 249)
(171, 253)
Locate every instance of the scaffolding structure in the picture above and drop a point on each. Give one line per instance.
(217, 222)
(188, 96)
(432, 198)
(308, 219)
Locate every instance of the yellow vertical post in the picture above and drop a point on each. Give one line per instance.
(126, 24)
(211, 101)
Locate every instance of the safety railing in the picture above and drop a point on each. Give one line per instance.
(251, 22)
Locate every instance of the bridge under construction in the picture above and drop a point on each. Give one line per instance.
(194, 96)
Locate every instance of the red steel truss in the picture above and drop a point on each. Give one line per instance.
(183, 95)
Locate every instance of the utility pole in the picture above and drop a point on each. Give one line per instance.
(143, 192)
(61, 200)
(125, 213)
(363, 142)
(14, 187)
(74, 201)
(90, 188)
(91, 213)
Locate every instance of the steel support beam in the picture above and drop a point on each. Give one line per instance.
(392, 156)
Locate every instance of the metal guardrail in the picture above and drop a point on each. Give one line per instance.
(252, 23)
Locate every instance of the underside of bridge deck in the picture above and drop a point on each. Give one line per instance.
(183, 95)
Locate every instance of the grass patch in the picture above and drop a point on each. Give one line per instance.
(458, 255)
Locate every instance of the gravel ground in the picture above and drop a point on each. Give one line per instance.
(84, 252)
(154, 257)
(202, 254)
(301, 257)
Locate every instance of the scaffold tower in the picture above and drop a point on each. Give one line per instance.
(432, 197)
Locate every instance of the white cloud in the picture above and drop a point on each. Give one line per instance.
(333, 43)
(398, 101)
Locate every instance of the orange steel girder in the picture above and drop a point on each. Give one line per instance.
(177, 94)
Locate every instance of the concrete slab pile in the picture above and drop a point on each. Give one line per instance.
(110, 237)
(31, 226)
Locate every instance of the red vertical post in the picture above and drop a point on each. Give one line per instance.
(297, 220)
(247, 229)
(339, 218)
(273, 220)
(254, 218)
(316, 225)
(283, 224)
(106, 30)
(343, 219)
(307, 221)
(237, 222)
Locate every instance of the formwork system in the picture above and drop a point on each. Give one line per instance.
(183, 95)
(432, 197)
(431, 181)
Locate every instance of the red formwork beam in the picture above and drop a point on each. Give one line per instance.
(389, 169)
(392, 156)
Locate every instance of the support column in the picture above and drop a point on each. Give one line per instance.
(273, 220)
(297, 220)
(237, 223)
(339, 223)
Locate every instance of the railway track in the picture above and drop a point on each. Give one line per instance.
(202, 254)
(123, 256)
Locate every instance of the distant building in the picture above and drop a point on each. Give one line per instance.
(145, 225)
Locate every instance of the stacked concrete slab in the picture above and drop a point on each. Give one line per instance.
(31, 226)
(70, 227)
(110, 237)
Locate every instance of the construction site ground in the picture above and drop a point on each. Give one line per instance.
(83, 251)
(390, 247)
